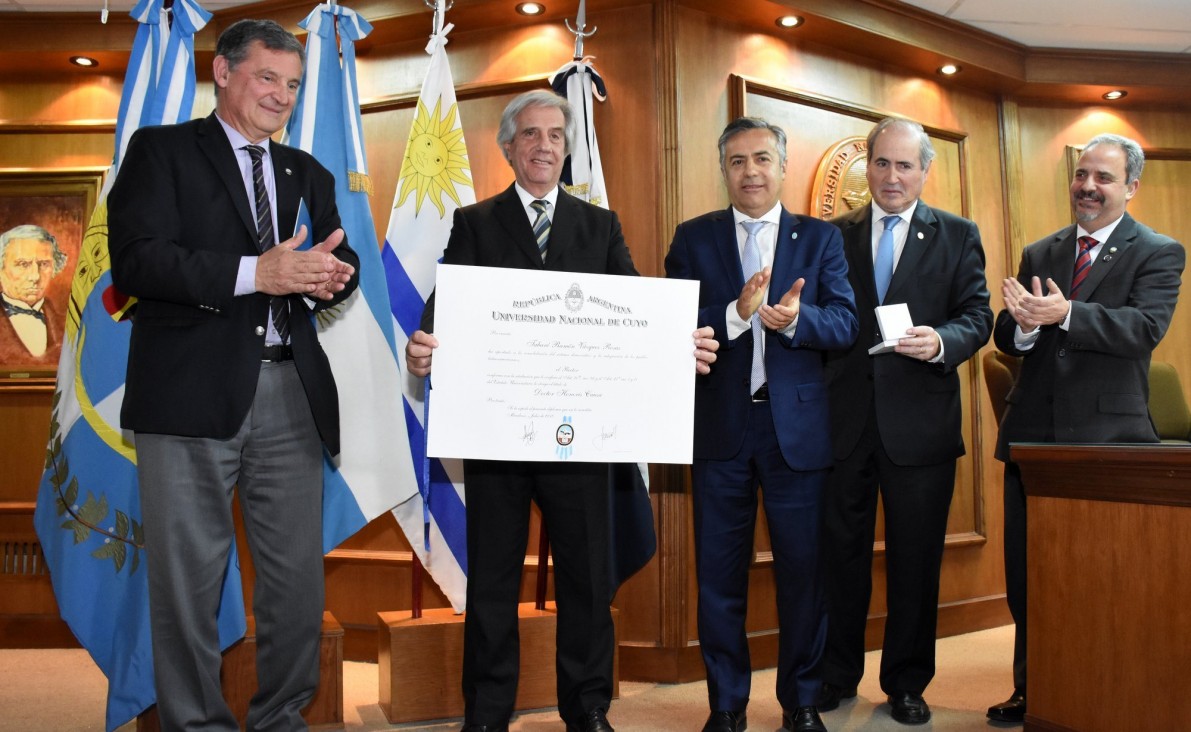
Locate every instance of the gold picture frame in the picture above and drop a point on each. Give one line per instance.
(60, 201)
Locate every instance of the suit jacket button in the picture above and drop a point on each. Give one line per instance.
(260, 330)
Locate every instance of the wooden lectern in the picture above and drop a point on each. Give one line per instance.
(1109, 586)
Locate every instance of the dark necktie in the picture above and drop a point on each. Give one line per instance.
(11, 310)
(1083, 264)
(278, 306)
(541, 227)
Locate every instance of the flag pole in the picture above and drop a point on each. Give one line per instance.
(416, 569)
(580, 29)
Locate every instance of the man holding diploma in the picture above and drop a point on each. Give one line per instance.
(896, 418)
(534, 224)
(774, 288)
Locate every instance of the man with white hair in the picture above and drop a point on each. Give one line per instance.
(534, 224)
(31, 330)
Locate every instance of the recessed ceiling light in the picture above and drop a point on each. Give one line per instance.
(83, 61)
(789, 21)
(950, 69)
(1116, 94)
(531, 8)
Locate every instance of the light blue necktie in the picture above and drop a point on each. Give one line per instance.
(541, 227)
(883, 266)
(751, 264)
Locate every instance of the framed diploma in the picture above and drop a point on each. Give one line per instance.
(547, 366)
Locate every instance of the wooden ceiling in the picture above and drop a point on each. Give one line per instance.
(883, 31)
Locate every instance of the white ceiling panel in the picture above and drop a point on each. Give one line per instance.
(1136, 25)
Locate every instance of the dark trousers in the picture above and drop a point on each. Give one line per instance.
(1015, 568)
(916, 501)
(725, 514)
(573, 498)
(186, 489)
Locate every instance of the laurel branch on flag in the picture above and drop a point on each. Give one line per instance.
(125, 536)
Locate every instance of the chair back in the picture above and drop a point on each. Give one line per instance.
(1000, 371)
(1168, 405)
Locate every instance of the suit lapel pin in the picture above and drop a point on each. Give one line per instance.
(794, 235)
(288, 171)
(920, 236)
(1111, 251)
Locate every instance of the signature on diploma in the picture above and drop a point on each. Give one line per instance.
(528, 434)
(607, 434)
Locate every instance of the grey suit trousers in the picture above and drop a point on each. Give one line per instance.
(186, 488)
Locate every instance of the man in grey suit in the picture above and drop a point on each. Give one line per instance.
(896, 419)
(1089, 305)
(227, 383)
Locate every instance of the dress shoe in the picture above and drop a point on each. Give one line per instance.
(726, 722)
(485, 727)
(803, 719)
(831, 695)
(1012, 710)
(591, 721)
(909, 708)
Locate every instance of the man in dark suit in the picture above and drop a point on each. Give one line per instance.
(534, 224)
(774, 288)
(895, 419)
(31, 330)
(1085, 339)
(227, 384)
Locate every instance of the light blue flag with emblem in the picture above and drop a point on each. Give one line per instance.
(88, 515)
(370, 475)
(435, 179)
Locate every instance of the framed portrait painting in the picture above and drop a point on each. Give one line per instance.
(43, 218)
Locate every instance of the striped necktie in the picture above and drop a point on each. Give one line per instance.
(1083, 264)
(278, 306)
(541, 227)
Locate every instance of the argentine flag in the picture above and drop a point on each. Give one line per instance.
(435, 179)
(88, 515)
(371, 474)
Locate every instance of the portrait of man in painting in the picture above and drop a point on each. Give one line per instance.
(40, 237)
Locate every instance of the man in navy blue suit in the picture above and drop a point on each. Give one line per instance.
(774, 288)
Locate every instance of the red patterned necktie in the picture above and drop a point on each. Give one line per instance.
(1083, 264)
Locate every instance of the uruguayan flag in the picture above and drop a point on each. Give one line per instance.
(435, 179)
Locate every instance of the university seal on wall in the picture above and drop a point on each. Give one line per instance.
(840, 185)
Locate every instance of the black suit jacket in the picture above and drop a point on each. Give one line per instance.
(496, 233)
(940, 277)
(179, 221)
(1090, 384)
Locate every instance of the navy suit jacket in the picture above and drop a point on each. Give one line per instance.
(940, 278)
(705, 249)
(1090, 384)
(179, 223)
